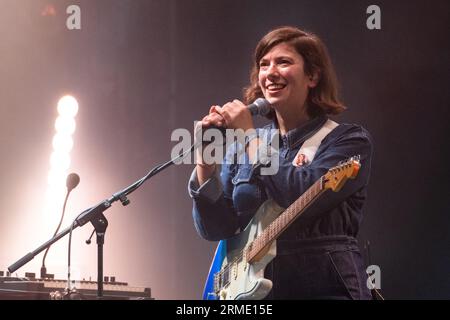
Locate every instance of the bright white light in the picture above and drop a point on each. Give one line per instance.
(56, 178)
(62, 143)
(65, 125)
(54, 198)
(60, 161)
(68, 106)
(56, 192)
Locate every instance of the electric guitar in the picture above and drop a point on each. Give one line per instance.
(237, 270)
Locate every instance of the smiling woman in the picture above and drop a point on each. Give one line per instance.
(309, 250)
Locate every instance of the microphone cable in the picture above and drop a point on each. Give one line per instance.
(71, 182)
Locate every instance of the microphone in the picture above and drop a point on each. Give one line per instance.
(260, 107)
(72, 182)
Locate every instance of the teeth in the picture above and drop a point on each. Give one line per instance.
(275, 86)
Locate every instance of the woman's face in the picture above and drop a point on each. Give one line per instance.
(282, 78)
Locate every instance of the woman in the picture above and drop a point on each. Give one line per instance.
(317, 256)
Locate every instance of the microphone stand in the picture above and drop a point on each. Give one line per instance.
(98, 220)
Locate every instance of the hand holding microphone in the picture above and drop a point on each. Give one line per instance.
(235, 115)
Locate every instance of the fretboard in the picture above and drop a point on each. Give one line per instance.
(274, 230)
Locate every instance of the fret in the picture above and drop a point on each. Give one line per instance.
(226, 278)
(263, 239)
(216, 282)
(288, 219)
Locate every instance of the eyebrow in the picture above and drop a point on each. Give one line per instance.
(278, 58)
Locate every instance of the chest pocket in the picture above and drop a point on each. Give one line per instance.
(248, 193)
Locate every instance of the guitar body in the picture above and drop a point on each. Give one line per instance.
(231, 277)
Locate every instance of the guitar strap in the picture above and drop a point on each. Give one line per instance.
(309, 148)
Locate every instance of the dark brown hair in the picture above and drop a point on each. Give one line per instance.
(323, 98)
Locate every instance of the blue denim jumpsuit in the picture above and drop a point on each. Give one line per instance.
(318, 255)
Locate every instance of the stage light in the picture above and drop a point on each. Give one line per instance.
(68, 107)
(65, 125)
(60, 161)
(62, 143)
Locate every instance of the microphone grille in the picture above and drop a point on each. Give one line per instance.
(72, 181)
(263, 106)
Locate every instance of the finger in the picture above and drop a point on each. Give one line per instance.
(225, 113)
(216, 119)
(206, 121)
(238, 101)
(214, 109)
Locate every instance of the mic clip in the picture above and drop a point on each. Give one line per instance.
(124, 200)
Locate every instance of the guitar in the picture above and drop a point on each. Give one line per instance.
(237, 270)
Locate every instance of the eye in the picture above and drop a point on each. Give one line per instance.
(263, 64)
(285, 62)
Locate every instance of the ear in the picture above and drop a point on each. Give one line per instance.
(313, 79)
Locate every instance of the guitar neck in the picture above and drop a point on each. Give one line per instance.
(284, 220)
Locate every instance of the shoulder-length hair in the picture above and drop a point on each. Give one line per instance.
(323, 98)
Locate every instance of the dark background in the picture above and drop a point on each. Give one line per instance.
(142, 68)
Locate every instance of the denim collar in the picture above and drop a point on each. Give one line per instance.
(298, 135)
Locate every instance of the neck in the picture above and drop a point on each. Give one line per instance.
(291, 118)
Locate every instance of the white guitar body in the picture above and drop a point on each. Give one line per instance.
(247, 279)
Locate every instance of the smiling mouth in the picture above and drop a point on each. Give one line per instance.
(274, 87)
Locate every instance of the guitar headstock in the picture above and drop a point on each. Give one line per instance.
(336, 177)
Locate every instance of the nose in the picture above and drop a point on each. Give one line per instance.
(272, 72)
